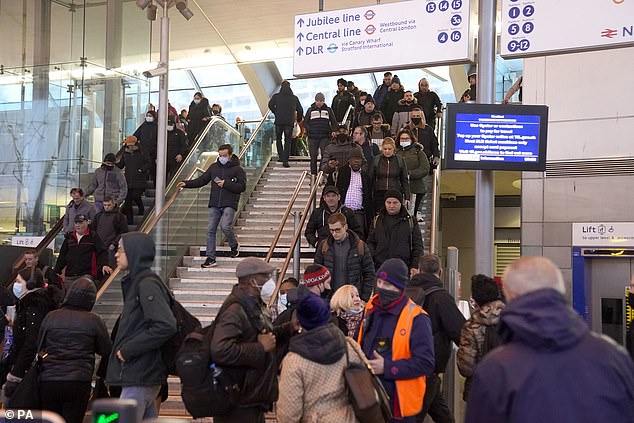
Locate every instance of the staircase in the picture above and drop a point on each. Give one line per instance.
(425, 212)
(202, 291)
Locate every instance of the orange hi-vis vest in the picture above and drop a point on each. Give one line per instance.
(410, 392)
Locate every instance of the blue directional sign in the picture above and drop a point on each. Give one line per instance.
(456, 20)
(514, 12)
(456, 4)
(514, 29)
(443, 5)
(431, 7)
(456, 36)
(443, 37)
(528, 27)
(528, 10)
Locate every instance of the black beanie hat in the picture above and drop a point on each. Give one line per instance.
(395, 272)
(484, 289)
(110, 157)
(393, 193)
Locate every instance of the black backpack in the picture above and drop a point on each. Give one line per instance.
(491, 339)
(207, 390)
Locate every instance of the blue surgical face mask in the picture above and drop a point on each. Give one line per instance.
(223, 160)
(18, 289)
(284, 300)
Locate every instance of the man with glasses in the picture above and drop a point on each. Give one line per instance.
(381, 92)
(346, 257)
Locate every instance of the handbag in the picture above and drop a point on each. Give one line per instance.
(368, 398)
(27, 394)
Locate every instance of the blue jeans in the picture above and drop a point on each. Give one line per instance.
(146, 400)
(224, 217)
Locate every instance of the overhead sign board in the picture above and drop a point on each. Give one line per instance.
(542, 27)
(378, 37)
(603, 234)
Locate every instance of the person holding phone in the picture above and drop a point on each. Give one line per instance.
(229, 182)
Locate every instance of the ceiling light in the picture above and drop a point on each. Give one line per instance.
(143, 3)
(187, 14)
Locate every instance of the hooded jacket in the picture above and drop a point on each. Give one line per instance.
(446, 320)
(395, 237)
(312, 386)
(146, 321)
(551, 368)
(137, 164)
(72, 335)
(472, 339)
(320, 122)
(85, 207)
(284, 105)
(108, 182)
(359, 267)
(402, 114)
(235, 183)
(417, 165)
(30, 311)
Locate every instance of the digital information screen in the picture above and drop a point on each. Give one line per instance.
(496, 137)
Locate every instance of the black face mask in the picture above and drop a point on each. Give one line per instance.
(388, 297)
(326, 294)
(109, 167)
(416, 121)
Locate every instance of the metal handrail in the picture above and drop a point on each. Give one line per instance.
(345, 117)
(246, 145)
(296, 236)
(289, 207)
(147, 229)
(435, 191)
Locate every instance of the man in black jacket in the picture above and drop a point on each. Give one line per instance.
(229, 181)
(109, 225)
(394, 233)
(320, 124)
(285, 106)
(317, 226)
(346, 257)
(244, 342)
(342, 101)
(82, 253)
(146, 323)
(426, 289)
(355, 187)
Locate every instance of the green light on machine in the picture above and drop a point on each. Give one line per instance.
(107, 418)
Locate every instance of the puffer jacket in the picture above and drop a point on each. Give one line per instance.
(360, 267)
(72, 335)
(470, 352)
(30, 311)
(235, 183)
(234, 346)
(390, 173)
(312, 386)
(320, 122)
(108, 183)
(402, 114)
(146, 321)
(417, 165)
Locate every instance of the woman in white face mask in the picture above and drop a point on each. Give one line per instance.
(413, 153)
(348, 307)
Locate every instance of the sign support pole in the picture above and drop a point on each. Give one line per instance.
(485, 179)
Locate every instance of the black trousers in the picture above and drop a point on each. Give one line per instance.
(242, 415)
(68, 399)
(134, 195)
(283, 150)
(434, 403)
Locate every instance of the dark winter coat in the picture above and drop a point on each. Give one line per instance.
(417, 165)
(72, 335)
(551, 368)
(360, 267)
(427, 138)
(391, 102)
(446, 319)
(370, 150)
(338, 151)
(380, 94)
(395, 237)
(30, 311)
(84, 257)
(430, 103)
(381, 324)
(146, 321)
(385, 132)
(235, 183)
(137, 164)
(341, 180)
(284, 105)
(108, 183)
(390, 173)
(317, 227)
(401, 115)
(147, 135)
(85, 207)
(234, 346)
(176, 144)
(109, 226)
(198, 112)
(364, 118)
(341, 102)
(320, 122)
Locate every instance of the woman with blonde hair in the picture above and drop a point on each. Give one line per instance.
(348, 307)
